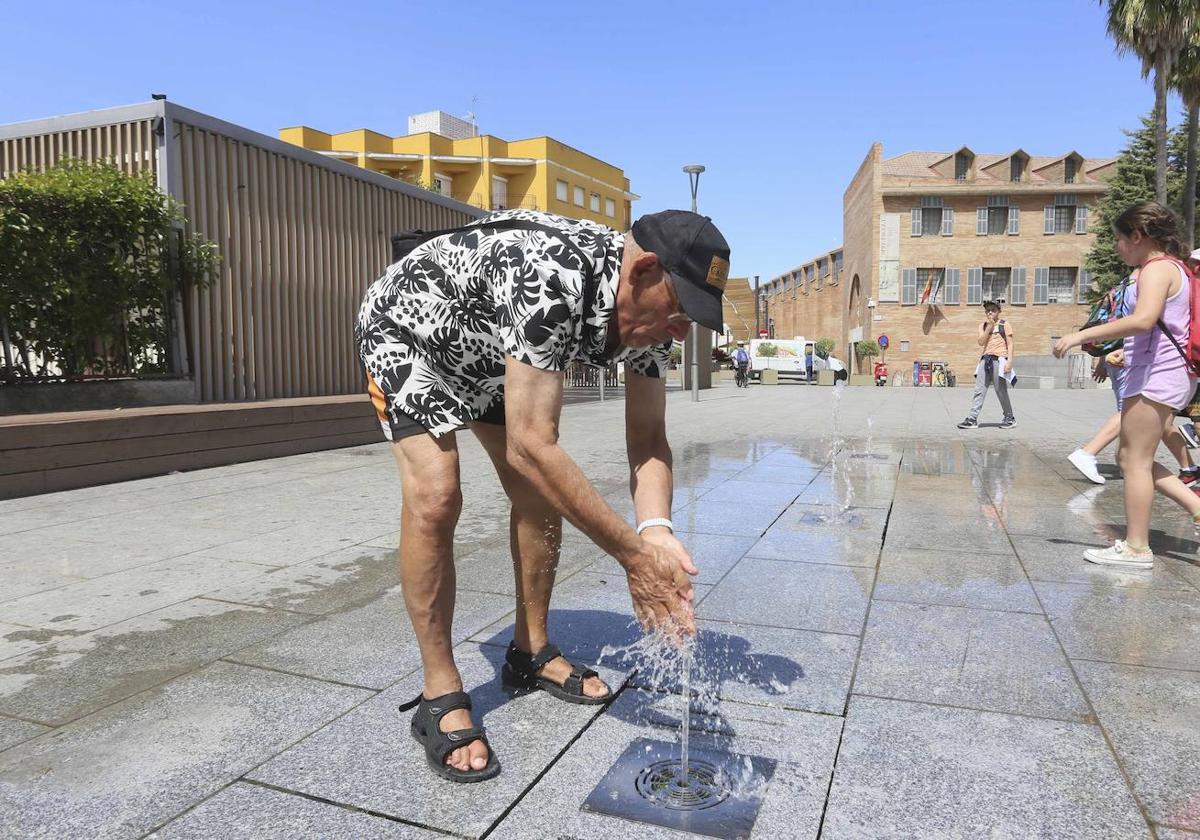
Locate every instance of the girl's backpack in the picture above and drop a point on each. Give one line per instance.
(1190, 350)
(1108, 308)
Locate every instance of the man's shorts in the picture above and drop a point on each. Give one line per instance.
(404, 426)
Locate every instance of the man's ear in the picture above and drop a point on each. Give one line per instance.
(646, 268)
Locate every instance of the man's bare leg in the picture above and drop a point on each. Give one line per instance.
(432, 500)
(535, 538)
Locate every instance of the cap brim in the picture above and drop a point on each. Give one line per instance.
(700, 306)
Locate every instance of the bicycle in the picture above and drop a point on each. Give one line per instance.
(742, 377)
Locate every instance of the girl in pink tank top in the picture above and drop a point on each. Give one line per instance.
(1158, 381)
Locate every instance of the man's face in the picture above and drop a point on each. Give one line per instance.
(648, 310)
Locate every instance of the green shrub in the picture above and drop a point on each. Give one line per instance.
(824, 347)
(90, 260)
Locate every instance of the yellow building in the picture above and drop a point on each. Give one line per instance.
(443, 153)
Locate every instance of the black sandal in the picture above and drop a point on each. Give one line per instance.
(426, 728)
(520, 672)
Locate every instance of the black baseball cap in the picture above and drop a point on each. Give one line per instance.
(695, 254)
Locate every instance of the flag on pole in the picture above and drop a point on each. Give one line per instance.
(933, 285)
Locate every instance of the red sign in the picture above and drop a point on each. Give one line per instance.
(763, 333)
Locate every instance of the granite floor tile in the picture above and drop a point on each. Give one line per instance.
(372, 645)
(909, 770)
(1047, 519)
(955, 579)
(526, 732)
(1151, 716)
(743, 519)
(106, 600)
(13, 732)
(1057, 560)
(981, 534)
(777, 473)
(743, 492)
(16, 640)
(242, 811)
(766, 666)
(1130, 626)
(162, 751)
(331, 582)
(72, 676)
(803, 596)
(1002, 662)
(791, 802)
(302, 542)
(817, 546)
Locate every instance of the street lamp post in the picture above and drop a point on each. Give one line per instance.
(693, 171)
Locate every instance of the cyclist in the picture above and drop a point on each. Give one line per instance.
(741, 362)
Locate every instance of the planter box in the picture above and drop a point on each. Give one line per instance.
(824, 377)
(769, 376)
(48, 397)
(861, 379)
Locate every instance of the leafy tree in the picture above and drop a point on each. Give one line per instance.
(1156, 31)
(90, 260)
(825, 347)
(1186, 80)
(867, 349)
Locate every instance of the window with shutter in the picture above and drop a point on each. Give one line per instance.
(908, 287)
(950, 294)
(1014, 221)
(915, 219)
(1048, 219)
(1041, 285)
(1085, 285)
(1081, 219)
(948, 221)
(995, 284)
(1017, 293)
(1060, 285)
(981, 221)
(974, 286)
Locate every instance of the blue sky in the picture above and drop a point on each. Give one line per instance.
(781, 101)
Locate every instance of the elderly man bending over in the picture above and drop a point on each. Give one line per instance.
(473, 329)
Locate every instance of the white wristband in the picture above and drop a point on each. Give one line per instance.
(651, 523)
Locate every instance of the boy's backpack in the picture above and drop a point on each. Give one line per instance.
(1106, 309)
(1190, 350)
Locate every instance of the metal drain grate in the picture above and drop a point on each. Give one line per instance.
(662, 784)
(645, 786)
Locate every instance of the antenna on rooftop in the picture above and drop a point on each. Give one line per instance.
(471, 114)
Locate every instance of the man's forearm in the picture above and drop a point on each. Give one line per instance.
(651, 483)
(558, 478)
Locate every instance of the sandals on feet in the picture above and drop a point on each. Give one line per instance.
(521, 672)
(426, 728)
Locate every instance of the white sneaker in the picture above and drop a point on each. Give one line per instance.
(1120, 555)
(1085, 462)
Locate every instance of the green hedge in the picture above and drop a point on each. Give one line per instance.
(90, 260)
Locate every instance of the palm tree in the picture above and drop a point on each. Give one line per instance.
(1186, 80)
(1156, 31)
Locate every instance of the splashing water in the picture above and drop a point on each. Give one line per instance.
(686, 698)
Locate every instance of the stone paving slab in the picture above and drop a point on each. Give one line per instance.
(791, 805)
(105, 600)
(1130, 626)
(390, 775)
(738, 519)
(1152, 716)
(909, 770)
(371, 646)
(13, 732)
(243, 811)
(765, 666)
(161, 751)
(803, 596)
(71, 677)
(996, 661)
(927, 528)
(847, 549)
(1056, 560)
(955, 579)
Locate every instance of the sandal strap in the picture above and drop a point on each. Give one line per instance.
(444, 743)
(439, 706)
(529, 663)
(574, 682)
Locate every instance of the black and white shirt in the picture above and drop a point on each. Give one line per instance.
(434, 330)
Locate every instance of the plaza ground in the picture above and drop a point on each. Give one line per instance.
(894, 610)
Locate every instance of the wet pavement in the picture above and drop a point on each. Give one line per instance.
(894, 611)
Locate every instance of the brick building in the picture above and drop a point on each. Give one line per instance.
(929, 236)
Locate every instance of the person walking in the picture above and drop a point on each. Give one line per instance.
(1159, 381)
(995, 368)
